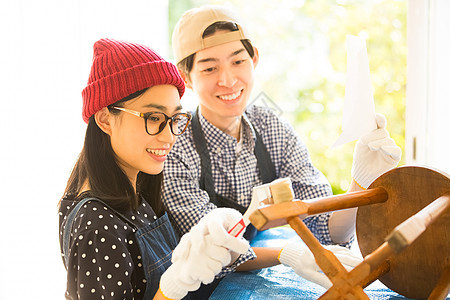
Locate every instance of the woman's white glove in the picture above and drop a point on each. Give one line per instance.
(375, 154)
(204, 251)
(298, 256)
(217, 223)
(174, 285)
(212, 229)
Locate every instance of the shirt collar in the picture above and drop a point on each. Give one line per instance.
(249, 134)
(216, 138)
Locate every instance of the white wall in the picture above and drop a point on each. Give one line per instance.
(45, 56)
(428, 99)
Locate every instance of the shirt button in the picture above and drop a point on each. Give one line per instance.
(242, 196)
(218, 150)
(154, 217)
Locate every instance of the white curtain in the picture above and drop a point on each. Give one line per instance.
(45, 57)
(428, 99)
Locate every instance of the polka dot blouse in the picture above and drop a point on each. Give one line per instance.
(104, 258)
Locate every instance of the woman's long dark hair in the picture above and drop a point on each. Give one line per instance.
(97, 165)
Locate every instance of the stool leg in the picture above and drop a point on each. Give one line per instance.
(442, 287)
(328, 262)
(400, 238)
(375, 274)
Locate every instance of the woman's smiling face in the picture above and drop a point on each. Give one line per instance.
(136, 150)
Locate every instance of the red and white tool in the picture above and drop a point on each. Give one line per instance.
(259, 195)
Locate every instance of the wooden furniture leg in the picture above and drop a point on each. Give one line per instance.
(416, 270)
(325, 259)
(398, 193)
(442, 288)
(402, 236)
(270, 216)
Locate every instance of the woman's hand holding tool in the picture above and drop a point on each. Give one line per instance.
(202, 253)
(260, 195)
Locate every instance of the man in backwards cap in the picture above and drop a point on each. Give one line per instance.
(229, 147)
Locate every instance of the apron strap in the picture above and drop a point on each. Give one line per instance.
(264, 162)
(68, 229)
(206, 179)
(71, 218)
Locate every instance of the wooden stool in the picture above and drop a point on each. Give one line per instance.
(410, 270)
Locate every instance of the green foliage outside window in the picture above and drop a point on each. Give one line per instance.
(302, 66)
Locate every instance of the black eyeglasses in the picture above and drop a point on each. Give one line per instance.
(155, 122)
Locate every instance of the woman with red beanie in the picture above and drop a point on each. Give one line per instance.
(116, 238)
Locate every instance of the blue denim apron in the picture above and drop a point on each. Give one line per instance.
(263, 160)
(156, 242)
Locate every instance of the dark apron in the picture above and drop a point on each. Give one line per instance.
(156, 242)
(264, 162)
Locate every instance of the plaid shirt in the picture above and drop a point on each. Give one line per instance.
(235, 171)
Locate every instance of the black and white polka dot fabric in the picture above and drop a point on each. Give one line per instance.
(104, 259)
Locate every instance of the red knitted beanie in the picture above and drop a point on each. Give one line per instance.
(120, 69)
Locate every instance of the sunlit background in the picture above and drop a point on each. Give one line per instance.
(46, 52)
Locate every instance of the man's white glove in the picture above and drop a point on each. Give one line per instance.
(298, 256)
(375, 154)
(208, 247)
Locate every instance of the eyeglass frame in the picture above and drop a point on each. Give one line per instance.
(145, 116)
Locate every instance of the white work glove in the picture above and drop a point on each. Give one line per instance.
(217, 223)
(298, 256)
(375, 154)
(174, 285)
(208, 247)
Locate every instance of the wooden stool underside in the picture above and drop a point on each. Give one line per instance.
(415, 271)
